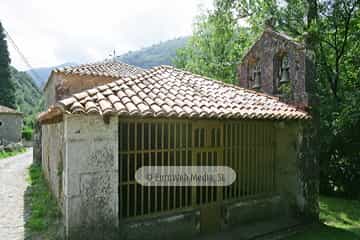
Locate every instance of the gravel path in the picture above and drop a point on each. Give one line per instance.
(13, 172)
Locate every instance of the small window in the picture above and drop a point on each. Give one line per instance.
(1, 123)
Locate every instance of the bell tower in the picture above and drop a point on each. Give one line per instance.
(277, 65)
(280, 66)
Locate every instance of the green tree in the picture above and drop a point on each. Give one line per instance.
(216, 46)
(333, 33)
(7, 89)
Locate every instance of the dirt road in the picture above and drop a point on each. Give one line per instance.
(13, 184)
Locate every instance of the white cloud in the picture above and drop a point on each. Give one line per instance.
(53, 32)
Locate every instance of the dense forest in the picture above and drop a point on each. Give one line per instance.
(28, 97)
(331, 30)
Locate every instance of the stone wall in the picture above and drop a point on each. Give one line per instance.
(267, 52)
(288, 175)
(91, 168)
(87, 148)
(61, 86)
(10, 127)
(53, 156)
(37, 143)
(49, 91)
(289, 199)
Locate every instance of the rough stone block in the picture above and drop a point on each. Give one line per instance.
(90, 156)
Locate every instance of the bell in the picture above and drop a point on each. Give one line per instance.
(284, 75)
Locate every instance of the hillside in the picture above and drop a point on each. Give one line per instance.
(155, 55)
(28, 96)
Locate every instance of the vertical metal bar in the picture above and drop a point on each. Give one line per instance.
(162, 161)
(233, 156)
(260, 168)
(256, 153)
(226, 147)
(229, 156)
(186, 157)
(239, 159)
(243, 153)
(142, 163)
(120, 133)
(156, 160)
(128, 173)
(169, 164)
(266, 155)
(135, 167)
(248, 159)
(270, 160)
(150, 164)
(263, 158)
(266, 159)
(251, 162)
(270, 149)
(273, 146)
(255, 159)
(253, 148)
(175, 162)
(201, 161)
(181, 126)
(220, 158)
(211, 163)
(194, 161)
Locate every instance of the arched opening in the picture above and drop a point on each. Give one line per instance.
(281, 74)
(254, 74)
(284, 69)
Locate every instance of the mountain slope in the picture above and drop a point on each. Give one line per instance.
(155, 55)
(27, 96)
(42, 74)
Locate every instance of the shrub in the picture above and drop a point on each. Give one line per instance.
(27, 134)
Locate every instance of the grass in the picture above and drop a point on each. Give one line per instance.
(6, 154)
(340, 218)
(44, 213)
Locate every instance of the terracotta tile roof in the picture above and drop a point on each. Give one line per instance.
(168, 92)
(106, 68)
(7, 110)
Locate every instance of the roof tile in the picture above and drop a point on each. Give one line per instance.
(169, 92)
(104, 68)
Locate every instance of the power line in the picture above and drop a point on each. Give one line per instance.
(22, 56)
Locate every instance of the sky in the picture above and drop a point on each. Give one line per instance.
(50, 32)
